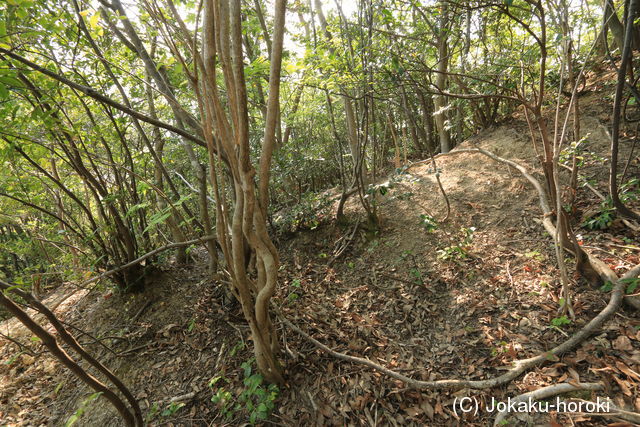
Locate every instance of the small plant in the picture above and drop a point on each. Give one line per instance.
(459, 251)
(172, 409)
(14, 358)
(296, 286)
(222, 397)
(577, 148)
(406, 254)
(153, 412)
(451, 253)
(239, 346)
(417, 276)
(502, 347)
(405, 196)
(307, 214)
(468, 235)
(256, 399)
(428, 223)
(382, 188)
(603, 219)
(558, 322)
(82, 409)
(192, 324)
(630, 190)
(535, 254)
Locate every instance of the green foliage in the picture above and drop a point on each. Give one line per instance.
(459, 251)
(451, 253)
(13, 358)
(417, 276)
(501, 348)
(632, 284)
(630, 190)
(293, 295)
(534, 254)
(607, 287)
(603, 218)
(256, 400)
(154, 410)
(558, 322)
(172, 409)
(428, 222)
(308, 214)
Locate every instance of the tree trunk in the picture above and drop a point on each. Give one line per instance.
(440, 101)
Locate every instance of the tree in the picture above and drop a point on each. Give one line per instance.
(227, 132)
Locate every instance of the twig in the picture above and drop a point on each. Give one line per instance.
(346, 244)
(142, 309)
(134, 349)
(631, 248)
(220, 353)
(187, 396)
(21, 346)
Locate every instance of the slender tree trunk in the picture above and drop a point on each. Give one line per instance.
(617, 107)
(243, 220)
(441, 103)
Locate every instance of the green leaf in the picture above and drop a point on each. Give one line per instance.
(157, 219)
(607, 287)
(133, 209)
(94, 21)
(633, 284)
(22, 13)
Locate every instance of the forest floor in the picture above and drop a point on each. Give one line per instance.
(463, 300)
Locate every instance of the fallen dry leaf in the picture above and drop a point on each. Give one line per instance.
(622, 343)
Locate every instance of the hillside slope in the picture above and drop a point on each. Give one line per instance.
(433, 300)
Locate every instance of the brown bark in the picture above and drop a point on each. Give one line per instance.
(244, 218)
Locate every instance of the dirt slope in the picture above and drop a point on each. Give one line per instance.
(459, 301)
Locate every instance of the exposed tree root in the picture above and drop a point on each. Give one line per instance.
(616, 412)
(519, 366)
(545, 393)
